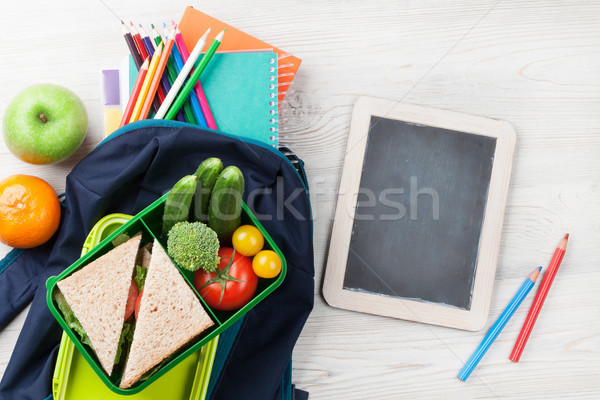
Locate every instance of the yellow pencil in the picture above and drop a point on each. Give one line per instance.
(137, 110)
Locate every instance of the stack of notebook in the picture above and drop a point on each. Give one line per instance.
(244, 83)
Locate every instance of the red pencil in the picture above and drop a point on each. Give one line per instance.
(135, 92)
(538, 302)
(137, 38)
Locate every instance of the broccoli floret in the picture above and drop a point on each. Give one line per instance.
(193, 245)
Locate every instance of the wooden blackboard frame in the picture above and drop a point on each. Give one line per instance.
(489, 245)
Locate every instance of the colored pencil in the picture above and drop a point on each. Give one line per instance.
(138, 41)
(156, 36)
(185, 91)
(498, 325)
(199, 92)
(135, 93)
(165, 84)
(137, 38)
(146, 40)
(182, 76)
(135, 115)
(173, 71)
(193, 98)
(538, 301)
(137, 59)
(164, 57)
(187, 108)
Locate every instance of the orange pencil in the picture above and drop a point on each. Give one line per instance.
(137, 87)
(141, 100)
(164, 57)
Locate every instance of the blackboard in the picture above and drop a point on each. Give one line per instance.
(419, 213)
(419, 216)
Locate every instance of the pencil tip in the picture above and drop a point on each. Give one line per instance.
(131, 23)
(540, 269)
(567, 236)
(152, 25)
(123, 23)
(534, 275)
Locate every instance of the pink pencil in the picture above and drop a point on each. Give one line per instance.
(210, 120)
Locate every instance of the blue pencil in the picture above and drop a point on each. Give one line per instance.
(498, 325)
(196, 109)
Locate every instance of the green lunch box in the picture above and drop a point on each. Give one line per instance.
(149, 222)
(74, 379)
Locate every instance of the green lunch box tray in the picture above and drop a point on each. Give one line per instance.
(149, 222)
(74, 379)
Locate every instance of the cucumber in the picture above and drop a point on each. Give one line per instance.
(178, 203)
(225, 207)
(207, 174)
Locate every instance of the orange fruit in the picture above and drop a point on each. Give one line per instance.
(29, 211)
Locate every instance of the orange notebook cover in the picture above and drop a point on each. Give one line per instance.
(194, 23)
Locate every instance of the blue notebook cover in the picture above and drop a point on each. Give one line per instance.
(241, 89)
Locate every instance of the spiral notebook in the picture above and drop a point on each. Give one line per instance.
(241, 91)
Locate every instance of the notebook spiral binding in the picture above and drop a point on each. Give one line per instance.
(283, 88)
(274, 129)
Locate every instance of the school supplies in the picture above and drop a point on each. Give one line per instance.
(139, 44)
(498, 325)
(199, 92)
(137, 87)
(174, 68)
(139, 53)
(111, 100)
(146, 39)
(418, 222)
(137, 59)
(539, 299)
(135, 116)
(182, 75)
(195, 76)
(194, 22)
(162, 62)
(242, 101)
(186, 115)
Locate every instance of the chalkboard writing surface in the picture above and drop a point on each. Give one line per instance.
(419, 238)
(419, 216)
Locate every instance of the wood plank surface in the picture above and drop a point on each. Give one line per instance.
(535, 64)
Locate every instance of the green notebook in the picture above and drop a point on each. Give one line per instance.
(241, 89)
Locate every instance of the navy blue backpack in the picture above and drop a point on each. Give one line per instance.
(125, 173)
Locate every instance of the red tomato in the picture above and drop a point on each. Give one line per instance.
(234, 294)
(138, 301)
(131, 300)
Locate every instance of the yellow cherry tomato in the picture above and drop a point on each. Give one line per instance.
(247, 240)
(266, 264)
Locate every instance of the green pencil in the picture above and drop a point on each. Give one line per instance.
(189, 85)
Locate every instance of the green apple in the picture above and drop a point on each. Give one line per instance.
(44, 123)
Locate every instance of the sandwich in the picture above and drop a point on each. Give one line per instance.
(97, 294)
(97, 302)
(170, 314)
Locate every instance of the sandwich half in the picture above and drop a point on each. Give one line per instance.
(170, 315)
(98, 294)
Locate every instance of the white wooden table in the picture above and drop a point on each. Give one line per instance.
(535, 64)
